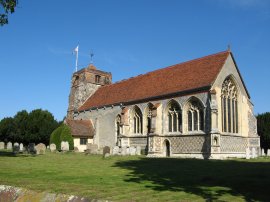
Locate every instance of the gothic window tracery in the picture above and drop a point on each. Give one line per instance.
(195, 115)
(137, 121)
(229, 106)
(174, 117)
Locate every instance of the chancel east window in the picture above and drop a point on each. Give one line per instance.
(137, 120)
(229, 106)
(83, 141)
(174, 117)
(195, 116)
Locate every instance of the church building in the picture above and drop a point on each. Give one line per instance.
(196, 109)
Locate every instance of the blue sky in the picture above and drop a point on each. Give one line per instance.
(128, 38)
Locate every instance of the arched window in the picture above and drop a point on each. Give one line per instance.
(229, 106)
(174, 117)
(137, 120)
(195, 113)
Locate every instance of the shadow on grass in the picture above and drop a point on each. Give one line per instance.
(209, 179)
(11, 154)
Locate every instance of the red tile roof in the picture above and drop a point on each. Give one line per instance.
(81, 128)
(186, 76)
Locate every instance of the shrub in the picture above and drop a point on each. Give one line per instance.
(66, 136)
(55, 137)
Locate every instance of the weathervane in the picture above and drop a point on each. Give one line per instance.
(91, 57)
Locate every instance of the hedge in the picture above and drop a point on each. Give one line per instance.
(62, 133)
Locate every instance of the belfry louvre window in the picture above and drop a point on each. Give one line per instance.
(229, 106)
(137, 120)
(97, 78)
(195, 115)
(174, 117)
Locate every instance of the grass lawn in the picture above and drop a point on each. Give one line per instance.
(135, 178)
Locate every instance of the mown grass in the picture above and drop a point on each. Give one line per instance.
(138, 178)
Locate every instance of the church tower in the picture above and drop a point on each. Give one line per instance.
(84, 83)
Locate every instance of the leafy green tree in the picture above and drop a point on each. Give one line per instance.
(62, 133)
(21, 125)
(66, 136)
(263, 125)
(41, 123)
(7, 130)
(55, 137)
(6, 7)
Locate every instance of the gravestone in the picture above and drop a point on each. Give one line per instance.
(124, 151)
(21, 147)
(52, 147)
(268, 152)
(64, 146)
(138, 150)
(115, 150)
(48, 147)
(76, 149)
(253, 153)
(128, 151)
(2, 145)
(91, 148)
(40, 148)
(31, 148)
(9, 145)
(132, 150)
(106, 150)
(16, 148)
(247, 153)
(106, 155)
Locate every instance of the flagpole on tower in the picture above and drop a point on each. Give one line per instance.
(76, 51)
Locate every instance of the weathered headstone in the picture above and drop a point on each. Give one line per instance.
(106, 150)
(262, 152)
(2, 145)
(123, 151)
(91, 148)
(253, 153)
(16, 148)
(52, 147)
(106, 155)
(40, 148)
(115, 150)
(128, 151)
(132, 150)
(31, 148)
(268, 152)
(21, 147)
(138, 150)
(247, 153)
(64, 146)
(76, 149)
(48, 147)
(9, 145)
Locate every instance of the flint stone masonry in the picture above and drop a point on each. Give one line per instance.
(40, 148)
(2, 145)
(9, 145)
(16, 194)
(52, 147)
(64, 146)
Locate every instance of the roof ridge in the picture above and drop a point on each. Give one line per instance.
(171, 66)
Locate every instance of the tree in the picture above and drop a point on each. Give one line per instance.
(263, 125)
(62, 133)
(7, 130)
(6, 6)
